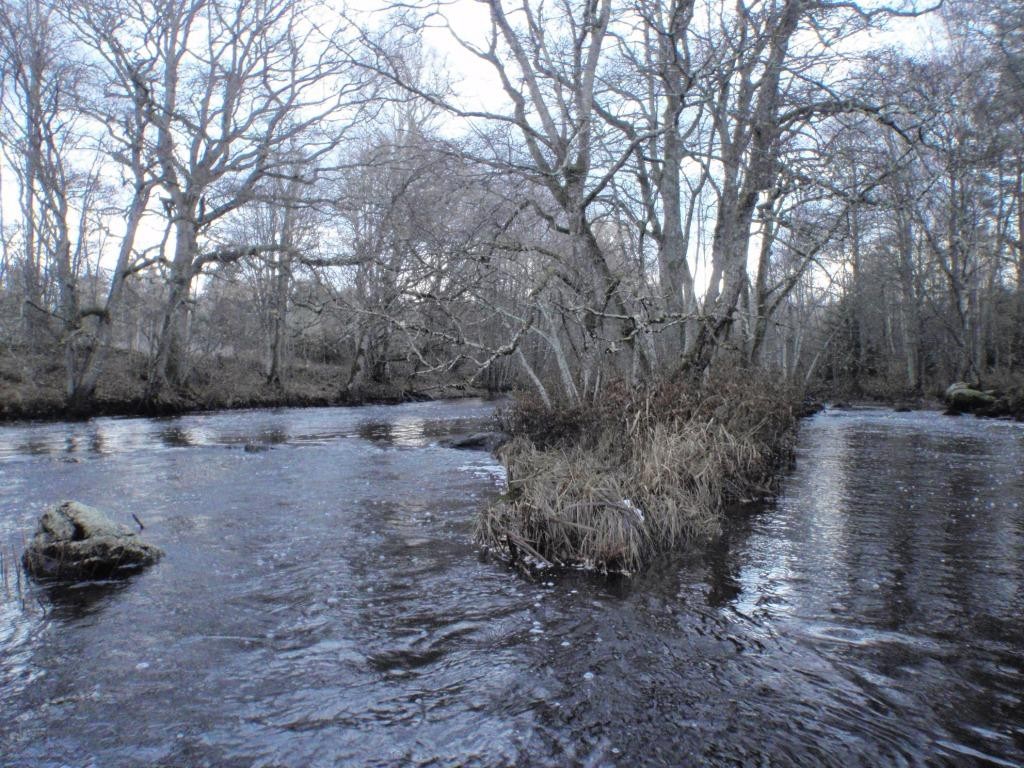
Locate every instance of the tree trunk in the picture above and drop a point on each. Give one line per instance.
(279, 321)
(169, 365)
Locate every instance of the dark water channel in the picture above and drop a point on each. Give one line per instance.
(321, 604)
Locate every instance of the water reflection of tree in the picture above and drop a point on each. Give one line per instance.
(175, 437)
(375, 431)
(75, 602)
(401, 431)
(724, 565)
(275, 436)
(925, 587)
(35, 446)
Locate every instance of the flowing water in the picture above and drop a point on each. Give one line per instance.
(321, 604)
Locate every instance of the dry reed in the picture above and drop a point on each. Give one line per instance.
(609, 485)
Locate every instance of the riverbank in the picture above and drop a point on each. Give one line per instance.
(1002, 397)
(1005, 405)
(32, 388)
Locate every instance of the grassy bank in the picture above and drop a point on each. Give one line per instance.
(32, 387)
(608, 485)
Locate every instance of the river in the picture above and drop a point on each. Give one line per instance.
(321, 604)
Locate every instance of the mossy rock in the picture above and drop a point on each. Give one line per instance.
(78, 542)
(963, 398)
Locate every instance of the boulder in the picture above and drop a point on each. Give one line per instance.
(74, 541)
(962, 397)
(479, 441)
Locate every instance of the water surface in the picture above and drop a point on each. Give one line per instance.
(321, 604)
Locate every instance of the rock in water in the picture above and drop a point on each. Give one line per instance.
(963, 397)
(75, 541)
(480, 441)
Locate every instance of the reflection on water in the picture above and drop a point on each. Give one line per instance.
(320, 604)
(175, 437)
(407, 426)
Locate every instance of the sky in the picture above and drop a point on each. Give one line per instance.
(477, 84)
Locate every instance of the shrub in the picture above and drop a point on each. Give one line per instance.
(609, 484)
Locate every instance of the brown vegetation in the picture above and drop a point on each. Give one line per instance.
(32, 387)
(609, 484)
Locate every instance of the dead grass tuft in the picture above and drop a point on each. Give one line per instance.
(609, 485)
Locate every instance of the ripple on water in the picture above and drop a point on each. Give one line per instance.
(321, 604)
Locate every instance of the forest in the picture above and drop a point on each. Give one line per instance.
(511, 383)
(668, 225)
(245, 201)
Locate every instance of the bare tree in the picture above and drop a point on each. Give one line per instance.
(42, 130)
(224, 87)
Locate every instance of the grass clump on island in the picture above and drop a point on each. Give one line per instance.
(609, 484)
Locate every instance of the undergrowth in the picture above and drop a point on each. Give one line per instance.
(609, 484)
